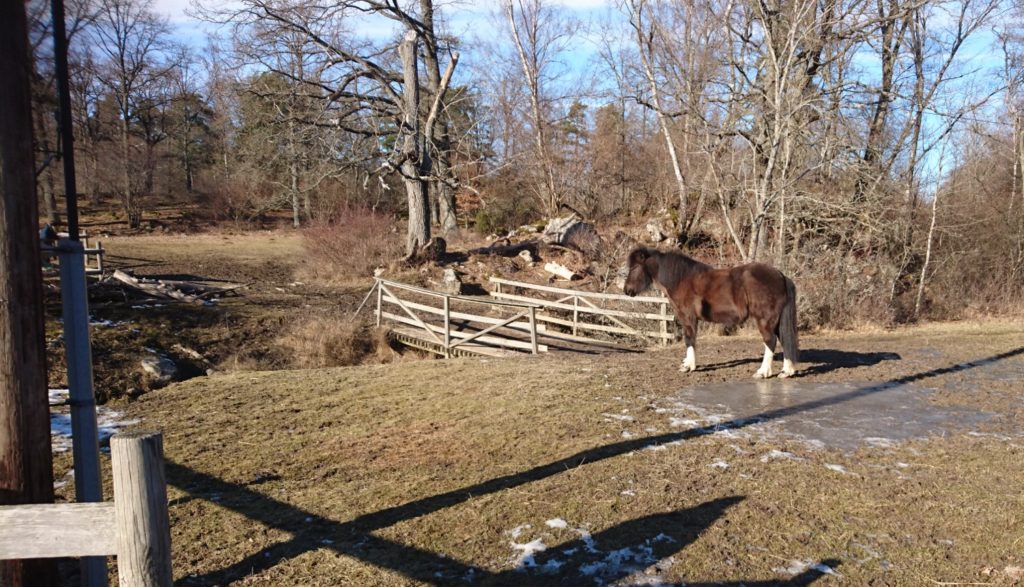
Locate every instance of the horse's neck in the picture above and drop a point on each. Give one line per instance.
(672, 271)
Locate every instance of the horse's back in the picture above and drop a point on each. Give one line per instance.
(764, 287)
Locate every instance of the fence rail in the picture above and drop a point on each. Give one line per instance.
(582, 303)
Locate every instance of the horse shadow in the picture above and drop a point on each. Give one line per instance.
(816, 361)
(820, 361)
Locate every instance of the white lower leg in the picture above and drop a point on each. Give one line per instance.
(690, 362)
(766, 364)
(787, 368)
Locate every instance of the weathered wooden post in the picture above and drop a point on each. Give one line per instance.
(575, 314)
(664, 324)
(140, 510)
(380, 294)
(447, 327)
(533, 328)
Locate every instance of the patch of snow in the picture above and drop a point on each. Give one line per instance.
(876, 442)
(58, 397)
(108, 423)
(779, 454)
(526, 559)
(627, 434)
(656, 447)
(838, 469)
(797, 566)
(515, 532)
(902, 465)
(557, 523)
(621, 417)
(719, 464)
(683, 422)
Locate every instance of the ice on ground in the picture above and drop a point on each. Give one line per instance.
(719, 464)
(557, 523)
(838, 469)
(58, 397)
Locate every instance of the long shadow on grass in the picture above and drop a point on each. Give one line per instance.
(354, 537)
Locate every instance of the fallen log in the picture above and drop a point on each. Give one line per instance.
(532, 245)
(156, 289)
(560, 271)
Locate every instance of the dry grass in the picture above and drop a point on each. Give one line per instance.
(351, 246)
(417, 473)
(327, 341)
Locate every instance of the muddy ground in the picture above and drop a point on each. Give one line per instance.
(575, 469)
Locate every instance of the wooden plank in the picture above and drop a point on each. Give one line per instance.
(410, 337)
(472, 300)
(585, 294)
(493, 327)
(583, 310)
(57, 530)
(598, 327)
(496, 340)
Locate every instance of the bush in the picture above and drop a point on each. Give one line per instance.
(352, 244)
(330, 341)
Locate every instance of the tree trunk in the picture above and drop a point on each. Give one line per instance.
(442, 144)
(415, 188)
(131, 208)
(26, 467)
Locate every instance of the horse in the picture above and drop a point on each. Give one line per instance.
(725, 296)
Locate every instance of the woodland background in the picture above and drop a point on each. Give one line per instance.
(871, 148)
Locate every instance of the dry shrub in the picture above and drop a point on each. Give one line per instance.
(327, 341)
(351, 245)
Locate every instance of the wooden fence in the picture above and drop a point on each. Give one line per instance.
(580, 304)
(432, 321)
(134, 527)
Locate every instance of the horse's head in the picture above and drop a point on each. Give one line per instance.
(638, 276)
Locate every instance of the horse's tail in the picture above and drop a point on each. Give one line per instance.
(787, 324)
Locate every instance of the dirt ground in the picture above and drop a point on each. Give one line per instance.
(561, 469)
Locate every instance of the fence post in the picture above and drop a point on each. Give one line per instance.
(380, 294)
(533, 328)
(575, 314)
(664, 324)
(140, 510)
(447, 327)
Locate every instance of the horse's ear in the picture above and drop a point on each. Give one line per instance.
(640, 255)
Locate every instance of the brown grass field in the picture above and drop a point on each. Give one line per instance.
(457, 472)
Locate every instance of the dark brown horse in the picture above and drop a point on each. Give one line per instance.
(725, 296)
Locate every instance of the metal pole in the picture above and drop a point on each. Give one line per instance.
(85, 439)
(67, 139)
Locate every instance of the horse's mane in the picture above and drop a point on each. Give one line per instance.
(674, 267)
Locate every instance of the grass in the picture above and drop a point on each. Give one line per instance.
(417, 473)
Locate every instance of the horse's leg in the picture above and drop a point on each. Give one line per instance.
(689, 324)
(768, 334)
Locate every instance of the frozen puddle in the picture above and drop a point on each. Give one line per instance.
(838, 415)
(109, 422)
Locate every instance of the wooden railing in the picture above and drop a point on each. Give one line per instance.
(582, 303)
(134, 527)
(423, 316)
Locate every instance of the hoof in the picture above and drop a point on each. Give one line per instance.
(762, 375)
(687, 368)
(785, 374)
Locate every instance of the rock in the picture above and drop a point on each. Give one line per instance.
(160, 368)
(450, 283)
(527, 256)
(379, 271)
(655, 234)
